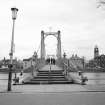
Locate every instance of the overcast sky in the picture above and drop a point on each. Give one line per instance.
(82, 26)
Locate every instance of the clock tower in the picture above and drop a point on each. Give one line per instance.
(96, 52)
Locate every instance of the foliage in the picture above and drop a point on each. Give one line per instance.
(100, 3)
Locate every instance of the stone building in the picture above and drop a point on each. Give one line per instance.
(100, 61)
(18, 64)
(76, 62)
(27, 63)
(96, 51)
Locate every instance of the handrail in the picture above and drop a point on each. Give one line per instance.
(66, 68)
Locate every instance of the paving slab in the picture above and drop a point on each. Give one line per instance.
(91, 87)
(53, 88)
(65, 98)
(45, 88)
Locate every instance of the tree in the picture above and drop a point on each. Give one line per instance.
(100, 3)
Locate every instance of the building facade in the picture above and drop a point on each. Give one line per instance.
(77, 62)
(27, 63)
(100, 61)
(17, 64)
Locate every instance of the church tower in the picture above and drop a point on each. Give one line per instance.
(96, 51)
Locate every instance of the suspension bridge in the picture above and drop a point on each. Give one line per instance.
(50, 70)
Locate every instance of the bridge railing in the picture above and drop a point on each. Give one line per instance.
(68, 68)
(40, 63)
(79, 78)
(65, 68)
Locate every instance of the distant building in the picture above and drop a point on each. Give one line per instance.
(76, 61)
(27, 63)
(91, 64)
(96, 52)
(100, 61)
(5, 62)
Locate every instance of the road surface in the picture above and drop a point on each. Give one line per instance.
(70, 98)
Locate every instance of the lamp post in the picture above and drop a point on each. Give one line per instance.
(83, 61)
(35, 58)
(32, 65)
(64, 55)
(14, 15)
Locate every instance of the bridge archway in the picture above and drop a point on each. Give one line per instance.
(55, 34)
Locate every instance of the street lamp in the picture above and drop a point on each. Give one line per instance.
(34, 58)
(83, 62)
(64, 55)
(14, 15)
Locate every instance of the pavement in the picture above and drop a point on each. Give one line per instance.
(53, 88)
(71, 94)
(43, 88)
(84, 98)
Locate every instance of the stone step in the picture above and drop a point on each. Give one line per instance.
(50, 70)
(48, 82)
(50, 74)
(61, 82)
(47, 76)
(48, 79)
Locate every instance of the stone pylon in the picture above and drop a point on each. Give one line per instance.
(42, 45)
(59, 45)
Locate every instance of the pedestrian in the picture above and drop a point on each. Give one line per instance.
(51, 60)
(54, 61)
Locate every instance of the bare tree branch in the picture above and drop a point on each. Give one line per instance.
(100, 3)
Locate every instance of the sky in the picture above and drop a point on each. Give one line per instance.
(81, 23)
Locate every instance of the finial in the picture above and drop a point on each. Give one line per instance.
(50, 29)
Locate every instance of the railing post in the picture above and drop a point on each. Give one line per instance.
(65, 67)
(66, 70)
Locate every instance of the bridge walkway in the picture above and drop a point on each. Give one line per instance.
(51, 67)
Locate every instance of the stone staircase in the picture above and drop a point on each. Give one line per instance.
(49, 77)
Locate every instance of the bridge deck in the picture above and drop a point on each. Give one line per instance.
(51, 67)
